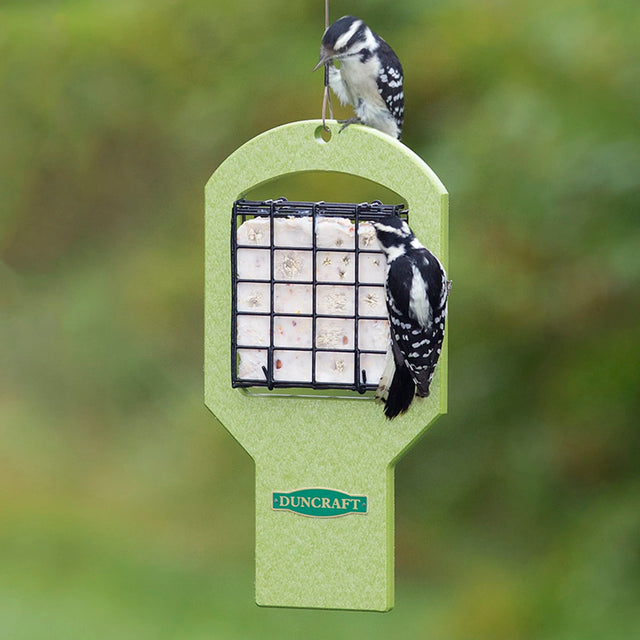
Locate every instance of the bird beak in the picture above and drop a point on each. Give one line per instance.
(326, 56)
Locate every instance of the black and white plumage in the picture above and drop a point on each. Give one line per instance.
(416, 289)
(370, 74)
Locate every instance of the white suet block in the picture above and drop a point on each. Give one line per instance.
(334, 333)
(293, 266)
(294, 273)
(335, 300)
(333, 366)
(372, 333)
(254, 297)
(251, 363)
(258, 232)
(291, 331)
(335, 233)
(292, 366)
(291, 232)
(293, 298)
(254, 264)
(372, 301)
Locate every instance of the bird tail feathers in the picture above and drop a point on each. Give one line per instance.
(396, 388)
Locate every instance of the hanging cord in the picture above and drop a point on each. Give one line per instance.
(326, 99)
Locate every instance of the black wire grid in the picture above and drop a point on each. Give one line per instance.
(282, 208)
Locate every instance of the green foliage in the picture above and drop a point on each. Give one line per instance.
(517, 515)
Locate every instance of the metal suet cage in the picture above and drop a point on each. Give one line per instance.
(308, 301)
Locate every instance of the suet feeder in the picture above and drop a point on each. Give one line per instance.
(295, 341)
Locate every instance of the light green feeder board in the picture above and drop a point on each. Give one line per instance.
(319, 455)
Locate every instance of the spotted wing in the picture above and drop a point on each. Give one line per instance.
(416, 338)
(389, 80)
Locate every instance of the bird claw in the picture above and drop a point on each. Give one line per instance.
(346, 123)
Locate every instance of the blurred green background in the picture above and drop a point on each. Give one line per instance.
(125, 510)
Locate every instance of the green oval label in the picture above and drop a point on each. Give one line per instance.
(319, 503)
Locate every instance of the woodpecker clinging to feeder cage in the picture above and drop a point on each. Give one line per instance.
(416, 290)
(369, 77)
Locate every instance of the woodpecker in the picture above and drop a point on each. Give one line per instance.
(369, 77)
(416, 289)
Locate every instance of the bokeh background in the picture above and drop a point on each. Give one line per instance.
(125, 510)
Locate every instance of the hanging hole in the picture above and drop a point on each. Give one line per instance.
(323, 135)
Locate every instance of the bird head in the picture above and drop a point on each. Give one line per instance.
(346, 37)
(394, 235)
